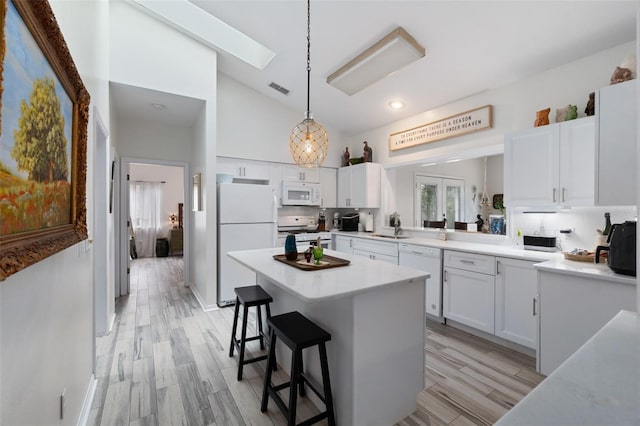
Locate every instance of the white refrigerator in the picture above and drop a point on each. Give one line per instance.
(247, 219)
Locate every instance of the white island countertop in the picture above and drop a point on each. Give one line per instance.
(598, 385)
(359, 276)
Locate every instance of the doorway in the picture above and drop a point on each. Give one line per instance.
(153, 192)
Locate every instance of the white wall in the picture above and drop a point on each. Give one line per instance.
(152, 140)
(254, 126)
(149, 54)
(46, 310)
(172, 189)
(203, 278)
(514, 108)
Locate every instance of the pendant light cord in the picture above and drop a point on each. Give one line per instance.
(308, 54)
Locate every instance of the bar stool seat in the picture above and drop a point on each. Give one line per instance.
(250, 296)
(298, 333)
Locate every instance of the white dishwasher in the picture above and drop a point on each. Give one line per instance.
(426, 259)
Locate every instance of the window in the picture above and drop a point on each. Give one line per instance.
(437, 198)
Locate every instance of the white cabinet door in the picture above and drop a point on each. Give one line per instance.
(303, 174)
(572, 309)
(469, 298)
(616, 109)
(577, 162)
(328, 187)
(343, 244)
(255, 169)
(228, 165)
(531, 172)
(275, 179)
(344, 186)
(376, 256)
(359, 186)
(239, 168)
(516, 286)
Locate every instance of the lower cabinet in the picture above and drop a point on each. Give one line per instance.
(491, 294)
(516, 287)
(572, 309)
(468, 298)
(376, 250)
(343, 244)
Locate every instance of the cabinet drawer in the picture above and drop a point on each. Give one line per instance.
(376, 256)
(470, 262)
(390, 249)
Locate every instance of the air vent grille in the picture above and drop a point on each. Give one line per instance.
(279, 88)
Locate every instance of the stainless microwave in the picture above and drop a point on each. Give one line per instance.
(300, 194)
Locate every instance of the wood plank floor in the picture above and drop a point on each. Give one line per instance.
(166, 363)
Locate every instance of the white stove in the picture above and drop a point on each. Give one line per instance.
(305, 228)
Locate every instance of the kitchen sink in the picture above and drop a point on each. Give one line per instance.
(399, 237)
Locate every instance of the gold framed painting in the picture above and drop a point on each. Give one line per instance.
(43, 138)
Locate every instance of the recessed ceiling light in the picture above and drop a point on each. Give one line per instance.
(159, 106)
(396, 104)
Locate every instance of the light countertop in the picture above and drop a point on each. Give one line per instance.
(585, 269)
(360, 275)
(598, 385)
(516, 252)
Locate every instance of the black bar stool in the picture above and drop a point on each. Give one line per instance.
(298, 333)
(247, 297)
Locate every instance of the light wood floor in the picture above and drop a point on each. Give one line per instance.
(166, 363)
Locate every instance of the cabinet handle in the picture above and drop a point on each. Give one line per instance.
(445, 276)
(534, 306)
(350, 243)
(563, 191)
(468, 262)
(304, 175)
(498, 267)
(554, 195)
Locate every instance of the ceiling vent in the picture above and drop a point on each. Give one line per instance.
(279, 88)
(394, 51)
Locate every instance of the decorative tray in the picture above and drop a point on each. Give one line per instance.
(580, 257)
(300, 263)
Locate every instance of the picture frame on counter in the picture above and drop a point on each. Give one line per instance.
(43, 135)
(470, 121)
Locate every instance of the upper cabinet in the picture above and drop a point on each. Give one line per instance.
(359, 186)
(551, 165)
(329, 187)
(302, 174)
(616, 109)
(248, 169)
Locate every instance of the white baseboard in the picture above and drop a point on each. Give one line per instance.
(111, 323)
(203, 305)
(88, 401)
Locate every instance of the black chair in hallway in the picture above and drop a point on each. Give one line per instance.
(298, 333)
(248, 297)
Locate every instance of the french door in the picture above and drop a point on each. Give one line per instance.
(437, 198)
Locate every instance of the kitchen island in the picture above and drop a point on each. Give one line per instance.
(375, 313)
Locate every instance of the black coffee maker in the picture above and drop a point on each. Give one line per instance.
(622, 248)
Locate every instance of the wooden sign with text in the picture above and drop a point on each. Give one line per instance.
(456, 125)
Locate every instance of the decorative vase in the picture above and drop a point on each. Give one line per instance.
(290, 249)
(317, 254)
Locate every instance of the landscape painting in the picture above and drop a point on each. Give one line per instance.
(44, 112)
(36, 139)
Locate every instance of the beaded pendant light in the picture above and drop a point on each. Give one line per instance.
(308, 141)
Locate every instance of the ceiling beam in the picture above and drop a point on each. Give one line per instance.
(189, 19)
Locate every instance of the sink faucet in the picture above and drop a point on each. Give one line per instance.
(396, 227)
